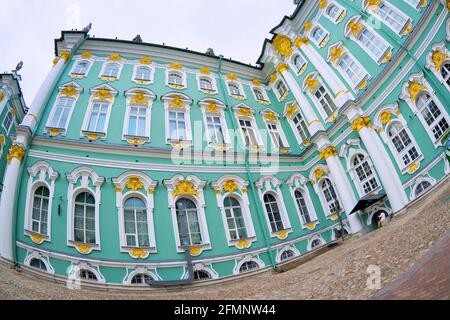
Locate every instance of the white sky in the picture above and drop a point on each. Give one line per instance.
(234, 28)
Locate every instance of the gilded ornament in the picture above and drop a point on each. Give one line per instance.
(424, 3)
(177, 102)
(65, 55)
(139, 253)
(323, 4)
(437, 57)
(256, 82)
(360, 123)
(328, 152)
(54, 132)
(414, 88)
(301, 41)
(195, 251)
(115, 57)
(306, 142)
(244, 112)
(93, 136)
(355, 27)
(151, 191)
(311, 226)
(230, 186)
(273, 78)
(86, 55)
(103, 94)
(387, 57)
(205, 70)
(308, 26)
(83, 248)
(37, 238)
(291, 110)
(408, 29)
(375, 3)
(271, 116)
(15, 152)
(145, 60)
(334, 216)
(336, 53)
(312, 84)
(244, 190)
(282, 234)
(176, 66)
(212, 107)
(69, 91)
(283, 45)
(2, 96)
(385, 117)
(282, 67)
(318, 173)
(134, 184)
(324, 41)
(118, 189)
(2, 140)
(139, 97)
(232, 77)
(413, 167)
(243, 244)
(185, 188)
(363, 85)
(218, 191)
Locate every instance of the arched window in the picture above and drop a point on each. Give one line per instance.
(273, 212)
(38, 264)
(299, 62)
(234, 89)
(445, 72)
(136, 226)
(84, 218)
(175, 79)
(87, 275)
(421, 188)
(301, 126)
(301, 203)
(206, 84)
(325, 100)
(235, 219)
(143, 73)
(61, 112)
(111, 70)
(366, 177)
(286, 255)
(188, 222)
(316, 243)
(259, 94)
(352, 69)
(330, 195)
(39, 218)
(391, 17)
(281, 88)
(201, 275)
(248, 266)
(318, 34)
(432, 115)
(372, 42)
(403, 144)
(81, 68)
(333, 12)
(141, 279)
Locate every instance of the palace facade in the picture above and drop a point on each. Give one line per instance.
(138, 164)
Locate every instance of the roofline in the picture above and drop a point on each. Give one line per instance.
(20, 95)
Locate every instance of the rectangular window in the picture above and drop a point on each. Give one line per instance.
(301, 126)
(373, 44)
(391, 17)
(352, 69)
(8, 121)
(97, 119)
(137, 121)
(275, 135)
(61, 113)
(215, 131)
(325, 100)
(177, 125)
(248, 132)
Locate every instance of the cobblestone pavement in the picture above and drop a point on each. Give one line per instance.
(340, 273)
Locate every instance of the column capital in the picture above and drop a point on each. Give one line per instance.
(282, 67)
(17, 152)
(328, 152)
(300, 41)
(360, 123)
(63, 55)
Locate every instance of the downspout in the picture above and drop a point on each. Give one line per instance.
(247, 169)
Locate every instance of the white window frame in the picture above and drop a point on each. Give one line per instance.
(249, 258)
(280, 98)
(183, 76)
(10, 112)
(293, 126)
(186, 108)
(322, 42)
(75, 269)
(140, 81)
(417, 6)
(280, 130)
(204, 104)
(417, 182)
(253, 123)
(298, 182)
(37, 255)
(266, 100)
(293, 66)
(239, 85)
(148, 105)
(110, 78)
(388, 4)
(343, 11)
(209, 78)
(441, 47)
(74, 67)
(353, 174)
(312, 96)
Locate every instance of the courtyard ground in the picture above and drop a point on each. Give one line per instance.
(401, 250)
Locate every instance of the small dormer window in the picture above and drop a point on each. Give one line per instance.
(206, 84)
(234, 89)
(143, 73)
(111, 70)
(81, 68)
(333, 12)
(318, 34)
(175, 79)
(259, 94)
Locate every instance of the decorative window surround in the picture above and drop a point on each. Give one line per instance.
(271, 185)
(249, 258)
(9, 121)
(283, 250)
(236, 187)
(76, 68)
(70, 90)
(302, 63)
(180, 103)
(271, 118)
(134, 184)
(312, 240)
(151, 71)
(436, 60)
(336, 54)
(138, 98)
(215, 108)
(335, 12)
(402, 30)
(2, 146)
(412, 89)
(311, 85)
(202, 267)
(41, 174)
(83, 179)
(36, 255)
(262, 98)
(190, 188)
(298, 182)
(74, 273)
(417, 4)
(423, 178)
(179, 70)
(245, 113)
(381, 206)
(291, 110)
(152, 273)
(384, 118)
(213, 90)
(275, 90)
(100, 94)
(241, 96)
(319, 35)
(106, 77)
(354, 29)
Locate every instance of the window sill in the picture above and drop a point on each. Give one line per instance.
(136, 140)
(176, 86)
(179, 144)
(264, 102)
(242, 243)
(53, 132)
(141, 81)
(105, 78)
(207, 91)
(237, 97)
(37, 238)
(282, 234)
(77, 75)
(93, 136)
(84, 248)
(219, 146)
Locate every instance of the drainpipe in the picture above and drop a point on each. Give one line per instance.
(247, 169)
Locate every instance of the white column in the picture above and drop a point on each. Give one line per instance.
(386, 171)
(343, 187)
(313, 121)
(334, 82)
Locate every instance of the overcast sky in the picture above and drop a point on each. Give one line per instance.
(234, 28)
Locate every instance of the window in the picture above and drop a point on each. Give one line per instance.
(39, 218)
(84, 218)
(206, 84)
(111, 70)
(249, 133)
(248, 266)
(175, 79)
(325, 100)
(316, 243)
(391, 17)
(414, 3)
(87, 275)
(333, 12)
(81, 68)
(299, 62)
(287, 255)
(275, 135)
(318, 34)
(38, 264)
(141, 279)
(273, 212)
(403, 144)
(97, 118)
(301, 127)
(143, 74)
(201, 275)
(234, 89)
(8, 121)
(301, 204)
(432, 115)
(177, 125)
(62, 111)
(421, 188)
(188, 222)
(259, 94)
(330, 195)
(235, 219)
(215, 131)
(136, 226)
(137, 121)
(371, 42)
(281, 89)
(445, 73)
(366, 177)
(352, 70)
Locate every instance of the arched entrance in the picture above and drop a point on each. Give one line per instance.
(378, 219)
